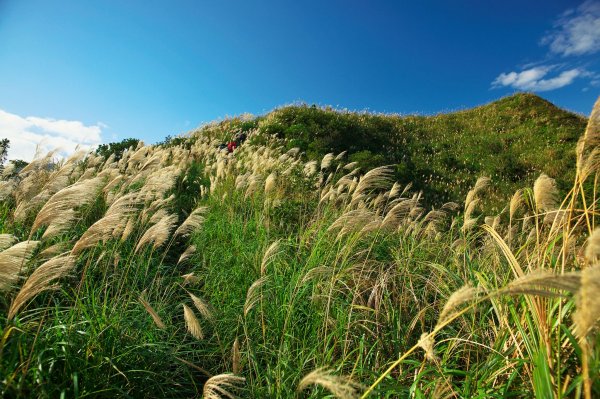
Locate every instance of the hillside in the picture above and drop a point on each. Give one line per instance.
(511, 140)
(180, 270)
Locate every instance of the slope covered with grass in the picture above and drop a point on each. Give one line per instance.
(511, 140)
(182, 271)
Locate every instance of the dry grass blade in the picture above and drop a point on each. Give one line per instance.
(510, 257)
(157, 320)
(218, 387)
(41, 280)
(192, 323)
(340, 386)
(254, 294)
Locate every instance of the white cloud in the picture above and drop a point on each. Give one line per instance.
(26, 134)
(577, 31)
(533, 79)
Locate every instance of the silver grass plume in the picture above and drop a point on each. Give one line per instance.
(202, 306)
(254, 294)
(157, 234)
(155, 317)
(268, 256)
(123, 208)
(12, 261)
(545, 193)
(42, 279)
(187, 254)
(6, 240)
(340, 386)
(219, 386)
(192, 323)
(58, 212)
(192, 223)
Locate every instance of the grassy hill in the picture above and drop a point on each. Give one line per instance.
(511, 140)
(179, 270)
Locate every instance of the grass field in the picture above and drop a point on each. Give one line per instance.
(178, 270)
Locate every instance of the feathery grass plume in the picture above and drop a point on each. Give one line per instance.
(351, 165)
(341, 155)
(54, 250)
(587, 302)
(270, 183)
(236, 357)
(427, 342)
(481, 184)
(340, 386)
(592, 250)
(254, 294)
(157, 320)
(269, 255)
(127, 229)
(459, 297)
(202, 307)
(6, 240)
(591, 137)
(352, 221)
(589, 165)
(192, 223)
(400, 211)
(123, 208)
(217, 387)
(12, 261)
(254, 182)
(190, 278)
(516, 202)
(192, 323)
(187, 254)
(544, 283)
(42, 279)
(58, 213)
(157, 234)
(327, 160)
(377, 178)
(545, 193)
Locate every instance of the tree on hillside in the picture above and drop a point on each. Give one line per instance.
(4, 144)
(106, 150)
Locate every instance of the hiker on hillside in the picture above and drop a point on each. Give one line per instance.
(231, 146)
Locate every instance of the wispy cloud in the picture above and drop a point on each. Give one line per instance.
(577, 31)
(31, 132)
(534, 79)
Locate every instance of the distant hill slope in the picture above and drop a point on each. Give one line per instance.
(511, 140)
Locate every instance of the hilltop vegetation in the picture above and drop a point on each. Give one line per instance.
(179, 270)
(511, 140)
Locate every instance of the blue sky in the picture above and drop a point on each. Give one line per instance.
(85, 72)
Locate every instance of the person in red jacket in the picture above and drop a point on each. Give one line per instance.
(231, 146)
